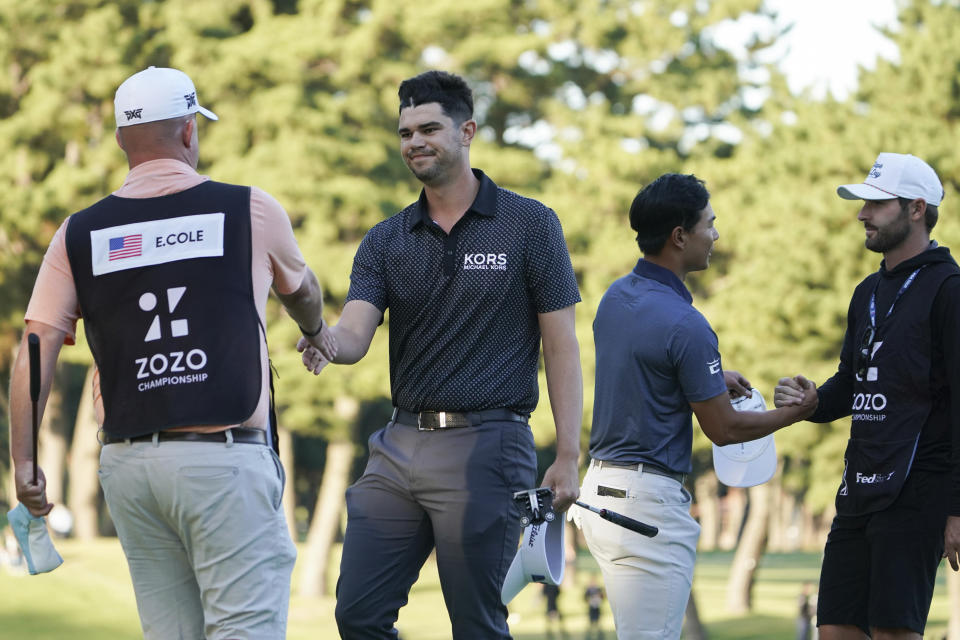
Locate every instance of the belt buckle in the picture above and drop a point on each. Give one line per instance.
(441, 418)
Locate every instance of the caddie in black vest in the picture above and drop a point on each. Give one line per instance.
(898, 504)
(154, 278)
(171, 274)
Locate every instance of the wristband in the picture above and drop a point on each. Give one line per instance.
(307, 334)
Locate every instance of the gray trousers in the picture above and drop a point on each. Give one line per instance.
(451, 490)
(205, 537)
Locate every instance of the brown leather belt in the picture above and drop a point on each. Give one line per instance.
(243, 435)
(438, 420)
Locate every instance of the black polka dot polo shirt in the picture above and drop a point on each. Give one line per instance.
(463, 307)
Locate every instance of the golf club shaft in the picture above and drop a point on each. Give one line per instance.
(622, 520)
(33, 347)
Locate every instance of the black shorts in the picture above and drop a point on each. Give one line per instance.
(879, 569)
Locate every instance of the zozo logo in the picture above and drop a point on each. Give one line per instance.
(869, 401)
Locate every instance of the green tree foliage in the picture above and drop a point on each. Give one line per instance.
(793, 250)
(579, 104)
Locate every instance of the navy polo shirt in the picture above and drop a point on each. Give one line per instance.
(464, 334)
(655, 355)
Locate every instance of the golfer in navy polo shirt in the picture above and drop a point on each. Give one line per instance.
(474, 277)
(658, 362)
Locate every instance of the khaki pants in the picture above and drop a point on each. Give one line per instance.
(205, 537)
(648, 580)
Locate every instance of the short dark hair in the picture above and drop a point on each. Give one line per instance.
(929, 218)
(448, 89)
(672, 200)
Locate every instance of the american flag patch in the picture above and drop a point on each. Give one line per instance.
(126, 247)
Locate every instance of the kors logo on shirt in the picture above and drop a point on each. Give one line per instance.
(485, 261)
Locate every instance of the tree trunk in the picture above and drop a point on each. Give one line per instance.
(52, 450)
(777, 526)
(822, 525)
(708, 508)
(693, 629)
(326, 519)
(749, 551)
(789, 517)
(83, 495)
(953, 600)
(289, 493)
(735, 505)
(569, 550)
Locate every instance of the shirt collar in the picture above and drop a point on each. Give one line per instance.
(159, 177)
(647, 269)
(485, 204)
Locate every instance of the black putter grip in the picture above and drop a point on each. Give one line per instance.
(33, 346)
(629, 523)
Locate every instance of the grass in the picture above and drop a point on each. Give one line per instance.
(90, 598)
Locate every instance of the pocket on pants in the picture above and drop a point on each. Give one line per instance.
(518, 457)
(281, 477)
(209, 472)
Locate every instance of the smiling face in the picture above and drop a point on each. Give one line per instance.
(432, 144)
(700, 241)
(886, 223)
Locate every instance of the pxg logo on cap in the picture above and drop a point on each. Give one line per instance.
(746, 464)
(156, 93)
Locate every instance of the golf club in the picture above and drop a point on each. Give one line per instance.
(33, 346)
(30, 530)
(622, 520)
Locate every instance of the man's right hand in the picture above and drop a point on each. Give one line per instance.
(33, 496)
(312, 359)
(325, 343)
(789, 392)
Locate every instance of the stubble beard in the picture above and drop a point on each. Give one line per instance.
(891, 236)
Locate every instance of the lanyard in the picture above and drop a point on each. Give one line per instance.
(873, 298)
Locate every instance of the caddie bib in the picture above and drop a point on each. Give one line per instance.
(892, 395)
(166, 294)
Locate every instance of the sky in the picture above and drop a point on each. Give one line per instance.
(829, 39)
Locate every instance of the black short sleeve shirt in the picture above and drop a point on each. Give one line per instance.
(464, 334)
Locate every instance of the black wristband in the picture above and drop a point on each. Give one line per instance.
(308, 334)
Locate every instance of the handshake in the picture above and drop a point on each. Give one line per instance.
(789, 392)
(319, 349)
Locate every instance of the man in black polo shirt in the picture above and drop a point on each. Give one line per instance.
(474, 276)
(898, 505)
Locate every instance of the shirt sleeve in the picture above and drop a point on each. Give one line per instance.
(695, 350)
(549, 273)
(272, 229)
(946, 319)
(54, 300)
(367, 280)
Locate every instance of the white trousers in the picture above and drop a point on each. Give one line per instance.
(206, 541)
(648, 580)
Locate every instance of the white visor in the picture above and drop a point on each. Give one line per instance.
(748, 463)
(539, 559)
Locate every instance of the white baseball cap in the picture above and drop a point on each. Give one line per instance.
(156, 93)
(748, 463)
(896, 175)
(539, 559)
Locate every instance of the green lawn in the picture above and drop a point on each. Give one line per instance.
(90, 598)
